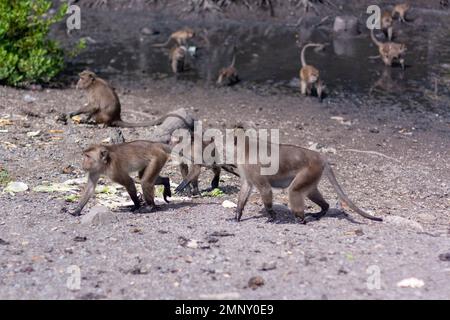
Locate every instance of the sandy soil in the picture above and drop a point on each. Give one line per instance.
(145, 256)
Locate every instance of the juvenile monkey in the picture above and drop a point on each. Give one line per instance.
(401, 10)
(229, 75)
(117, 161)
(300, 170)
(387, 24)
(104, 105)
(191, 173)
(390, 51)
(309, 75)
(177, 56)
(180, 37)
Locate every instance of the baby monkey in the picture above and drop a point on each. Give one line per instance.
(118, 161)
(390, 51)
(104, 105)
(309, 75)
(180, 37)
(229, 75)
(401, 10)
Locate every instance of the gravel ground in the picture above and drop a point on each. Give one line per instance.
(191, 248)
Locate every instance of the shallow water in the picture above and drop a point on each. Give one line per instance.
(271, 55)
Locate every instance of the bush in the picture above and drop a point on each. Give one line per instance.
(26, 53)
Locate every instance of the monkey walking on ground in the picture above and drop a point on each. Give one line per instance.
(229, 75)
(401, 10)
(390, 51)
(117, 161)
(300, 170)
(104, 105)
(309, 75)
(180, 37)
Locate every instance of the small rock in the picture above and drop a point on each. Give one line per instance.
(267, 266)
(68, 170)
(442, 257)
(228, 204)
(15, 186)
(255, 282)
(28, 98)
(221, 234)
(3, 242)
(79, 239)
(411, 283)
(403, 222)
(99, 215)
(33, 133)
(188, 243)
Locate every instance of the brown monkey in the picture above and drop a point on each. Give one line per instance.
(117, 161)
(309, 75)
(104, 105)
(387, 24)
(300, 170)
(180, 37)
(229, 74)
(390, 51)
(177, 56)
(401, 10)
(191, 173)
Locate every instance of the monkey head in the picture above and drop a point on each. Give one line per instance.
(87, 78)
(95, 159)
(190, 33)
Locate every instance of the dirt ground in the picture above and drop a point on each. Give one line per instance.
(191, 248)
(145, 256)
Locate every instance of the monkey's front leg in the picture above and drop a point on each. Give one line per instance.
(88, 193)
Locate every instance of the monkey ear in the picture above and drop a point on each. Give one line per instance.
(104, 156)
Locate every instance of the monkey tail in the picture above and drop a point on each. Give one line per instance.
(160, 45)
(332, 178)
(233, 61)
(125, 124)
(374, 39)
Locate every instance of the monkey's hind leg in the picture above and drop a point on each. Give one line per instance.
(244, 194)
(303, 86)
(297, 191)
(316, 197)
(149, 177)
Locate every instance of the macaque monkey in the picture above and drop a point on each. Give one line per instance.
(387, 24)
(191, 173)
(300, 170)
(390, 51)
(309, 75)
(229, 75)
(177, 56)
(104, 105)
(401, 10)
(117, 161)
(180, 37)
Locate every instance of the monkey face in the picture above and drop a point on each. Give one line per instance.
(86, 80)
(95, 159)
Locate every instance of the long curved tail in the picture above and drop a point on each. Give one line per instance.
(306, 47)
(332, 178)
(233, 61)
(125, 124)
(374, 39)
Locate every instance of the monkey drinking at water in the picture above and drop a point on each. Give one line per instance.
(104, 105)
(117, 161)
(309, 75)
(390, 51)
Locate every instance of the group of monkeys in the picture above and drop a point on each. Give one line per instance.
(300, 169)
(390, 52)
